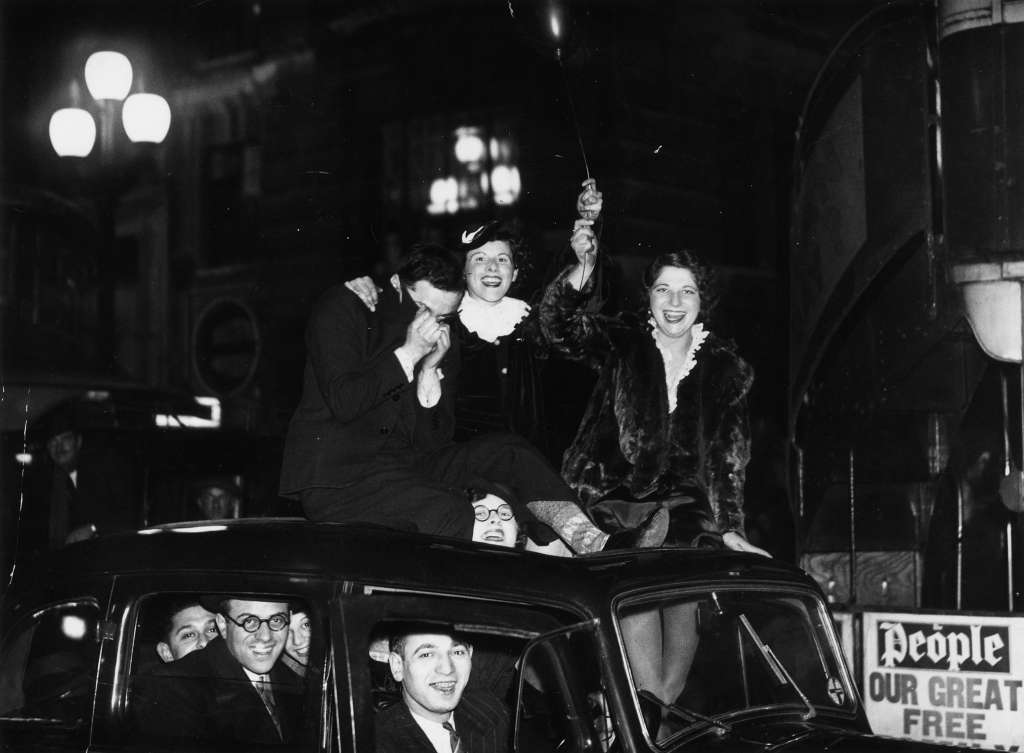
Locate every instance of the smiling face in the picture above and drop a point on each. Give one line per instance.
(490, 271)
(257, 651)
(191, 629)
(433, 670)
(675, 301)
(490, 527)
(297, 645)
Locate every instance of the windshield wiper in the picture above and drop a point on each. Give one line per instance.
(688, 715)
(778, 669)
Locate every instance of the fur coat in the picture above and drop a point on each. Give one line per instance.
(628, 445)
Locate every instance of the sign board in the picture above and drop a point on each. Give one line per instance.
(945, 678)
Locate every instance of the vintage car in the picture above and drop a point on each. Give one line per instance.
(80, 634)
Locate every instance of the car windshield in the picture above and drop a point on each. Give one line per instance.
(705, 658)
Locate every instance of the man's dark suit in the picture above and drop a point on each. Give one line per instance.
(359, 444)
(481, 721)
(206, 695)
(355, 395)
(105, 495)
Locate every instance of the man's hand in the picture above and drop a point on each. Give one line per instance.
(366, 289)
(421, 336)
(441, 346)
(590, 200)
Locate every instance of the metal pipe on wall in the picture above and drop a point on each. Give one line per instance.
(960, 543)
(853, 535)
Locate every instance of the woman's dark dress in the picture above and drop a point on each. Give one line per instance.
(499, 385)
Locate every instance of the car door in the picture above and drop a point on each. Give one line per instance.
(137, 609)
(49, 657)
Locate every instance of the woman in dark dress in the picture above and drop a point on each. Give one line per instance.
(665, 440)
(501, 347)
(503, 354)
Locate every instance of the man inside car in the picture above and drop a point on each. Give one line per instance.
(187, 626)
(436, 714)
(234, 689)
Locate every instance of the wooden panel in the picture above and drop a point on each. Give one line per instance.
(883, 578)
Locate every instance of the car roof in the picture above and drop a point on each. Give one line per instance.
(374, 554)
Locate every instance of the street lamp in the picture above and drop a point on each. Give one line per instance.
(145, 118)
(108, 76)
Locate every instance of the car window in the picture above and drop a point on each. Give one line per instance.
(728, 652)
(562, 704)
(48, 668)
(240, 669)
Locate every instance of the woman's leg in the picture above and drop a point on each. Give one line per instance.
(679, 647)
(641, 632)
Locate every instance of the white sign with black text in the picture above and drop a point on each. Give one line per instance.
(945, 678)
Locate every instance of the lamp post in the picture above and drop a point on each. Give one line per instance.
(145, 118)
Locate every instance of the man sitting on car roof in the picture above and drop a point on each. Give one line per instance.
(234, 689)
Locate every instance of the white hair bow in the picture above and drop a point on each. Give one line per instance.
(468, 236)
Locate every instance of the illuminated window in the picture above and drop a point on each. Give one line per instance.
(450, 164)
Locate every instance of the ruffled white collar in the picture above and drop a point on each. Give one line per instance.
(491, 321)
(676, 369)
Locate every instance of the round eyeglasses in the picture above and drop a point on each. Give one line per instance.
(482, 512)
(250, 623)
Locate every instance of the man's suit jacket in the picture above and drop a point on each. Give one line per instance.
(106, 495)
(481, 721)
(355, 394)
(206, 695)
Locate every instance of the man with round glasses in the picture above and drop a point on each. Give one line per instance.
(234, 689)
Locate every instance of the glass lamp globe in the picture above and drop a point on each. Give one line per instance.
(108, 75)
(146, 117)
(72, 132)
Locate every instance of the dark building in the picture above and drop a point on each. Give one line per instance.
(313, 140)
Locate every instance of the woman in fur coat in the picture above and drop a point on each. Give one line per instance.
(665, 441)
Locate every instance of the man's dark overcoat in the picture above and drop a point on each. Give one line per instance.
(481, 720)
(206, 695)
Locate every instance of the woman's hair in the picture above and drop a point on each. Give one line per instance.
(509, 231)
(702, 274)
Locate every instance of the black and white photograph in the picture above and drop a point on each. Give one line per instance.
(511, 376)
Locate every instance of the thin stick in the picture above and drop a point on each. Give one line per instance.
(572, 110)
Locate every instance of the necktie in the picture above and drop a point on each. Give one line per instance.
(264, 689)
(453, 736)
